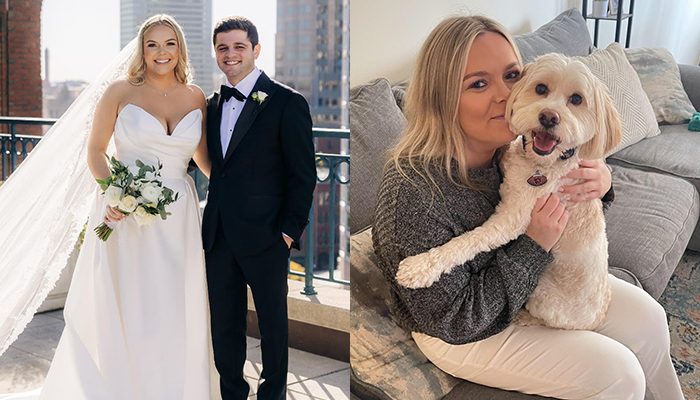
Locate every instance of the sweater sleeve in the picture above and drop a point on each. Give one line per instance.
(473, 301)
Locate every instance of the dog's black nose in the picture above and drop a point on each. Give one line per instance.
(549, 119)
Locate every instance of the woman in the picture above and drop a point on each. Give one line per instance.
(137, 314)
(442, 181)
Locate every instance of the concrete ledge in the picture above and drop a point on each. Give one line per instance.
(318, 324)
(330, 308)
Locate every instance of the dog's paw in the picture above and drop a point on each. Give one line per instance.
(415, 272)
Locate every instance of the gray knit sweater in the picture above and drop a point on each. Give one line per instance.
(475, 300)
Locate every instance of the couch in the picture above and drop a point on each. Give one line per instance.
(656, 176)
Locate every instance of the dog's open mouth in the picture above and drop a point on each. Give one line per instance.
(544, 143)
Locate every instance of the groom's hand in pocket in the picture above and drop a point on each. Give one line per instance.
(288, 241)
(113, 215)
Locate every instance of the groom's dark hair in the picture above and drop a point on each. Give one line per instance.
(233, 23)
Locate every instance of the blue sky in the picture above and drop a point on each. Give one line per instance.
(83, 36)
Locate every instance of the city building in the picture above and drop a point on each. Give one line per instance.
(195, 17)
(311, 56)
(20, 61)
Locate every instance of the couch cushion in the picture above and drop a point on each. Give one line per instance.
(673, 152)
(383, 356)
(611, 66)
(649, 224)
(566, 34)
(690, 76)
(375, 124)
(661, 80)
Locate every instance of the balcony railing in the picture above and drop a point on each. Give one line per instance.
(330, 200)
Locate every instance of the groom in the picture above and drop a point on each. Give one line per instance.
(260, 191)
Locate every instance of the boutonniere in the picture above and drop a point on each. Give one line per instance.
(259, 96)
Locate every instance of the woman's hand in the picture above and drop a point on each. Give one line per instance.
(113, 215)
(547, 222)
(595, 181)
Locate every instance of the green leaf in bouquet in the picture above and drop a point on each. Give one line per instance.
(151, 210)
(163, 214)
(140, 164)
(127, 183)
(104, 183)
(167, 193)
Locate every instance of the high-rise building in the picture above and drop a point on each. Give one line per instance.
(311, 56)
(308, 54)
(195, 18)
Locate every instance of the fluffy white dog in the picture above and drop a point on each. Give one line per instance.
(563, 114)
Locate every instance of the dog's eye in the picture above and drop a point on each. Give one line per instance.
(541, 89)
(575, 99)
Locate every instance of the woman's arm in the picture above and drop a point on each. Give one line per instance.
(475, 300)
(201, 154)
(103, 123)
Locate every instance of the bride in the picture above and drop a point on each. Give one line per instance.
(137, 314)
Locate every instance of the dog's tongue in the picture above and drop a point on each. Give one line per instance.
(544, 142)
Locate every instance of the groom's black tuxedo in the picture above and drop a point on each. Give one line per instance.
(264, 185)
(261, 188)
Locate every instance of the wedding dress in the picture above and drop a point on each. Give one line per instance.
(136, 313)
(137, 324)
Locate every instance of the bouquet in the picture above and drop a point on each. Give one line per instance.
(141, 194)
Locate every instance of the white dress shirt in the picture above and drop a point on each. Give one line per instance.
(232, 108)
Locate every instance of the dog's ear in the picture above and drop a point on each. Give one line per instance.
(517, 89)
(609, 127)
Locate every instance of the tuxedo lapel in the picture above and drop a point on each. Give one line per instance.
(216, 127)
(250, 111)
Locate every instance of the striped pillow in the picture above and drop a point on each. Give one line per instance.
(638, 119)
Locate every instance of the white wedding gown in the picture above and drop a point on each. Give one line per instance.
(137, 324)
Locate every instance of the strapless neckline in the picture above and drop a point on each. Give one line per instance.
(153, 117)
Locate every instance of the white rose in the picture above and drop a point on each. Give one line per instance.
(128, 204)
(262, 96)
(143, 217)
(113, 194)
(151, 192)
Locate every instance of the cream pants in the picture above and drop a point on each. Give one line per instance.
(627, 357)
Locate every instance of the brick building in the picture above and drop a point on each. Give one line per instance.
(20, 60)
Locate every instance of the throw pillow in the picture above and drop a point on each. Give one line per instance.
(638, 120)
(566, 34)
(376, 123)
(383, 356)
(661, 80)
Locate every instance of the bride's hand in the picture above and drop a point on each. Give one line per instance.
(113, 215)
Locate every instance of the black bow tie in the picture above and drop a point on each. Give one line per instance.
(228, 92)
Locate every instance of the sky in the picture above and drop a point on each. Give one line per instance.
(83, 35)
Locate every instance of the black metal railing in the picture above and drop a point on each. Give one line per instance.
(330, 200)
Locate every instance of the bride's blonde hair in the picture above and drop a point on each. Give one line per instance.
(137, 65)
(433, 135)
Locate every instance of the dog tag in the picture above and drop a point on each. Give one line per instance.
(537, 179)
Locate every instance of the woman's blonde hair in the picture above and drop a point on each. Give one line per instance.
(433, 135)
(137, 65)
